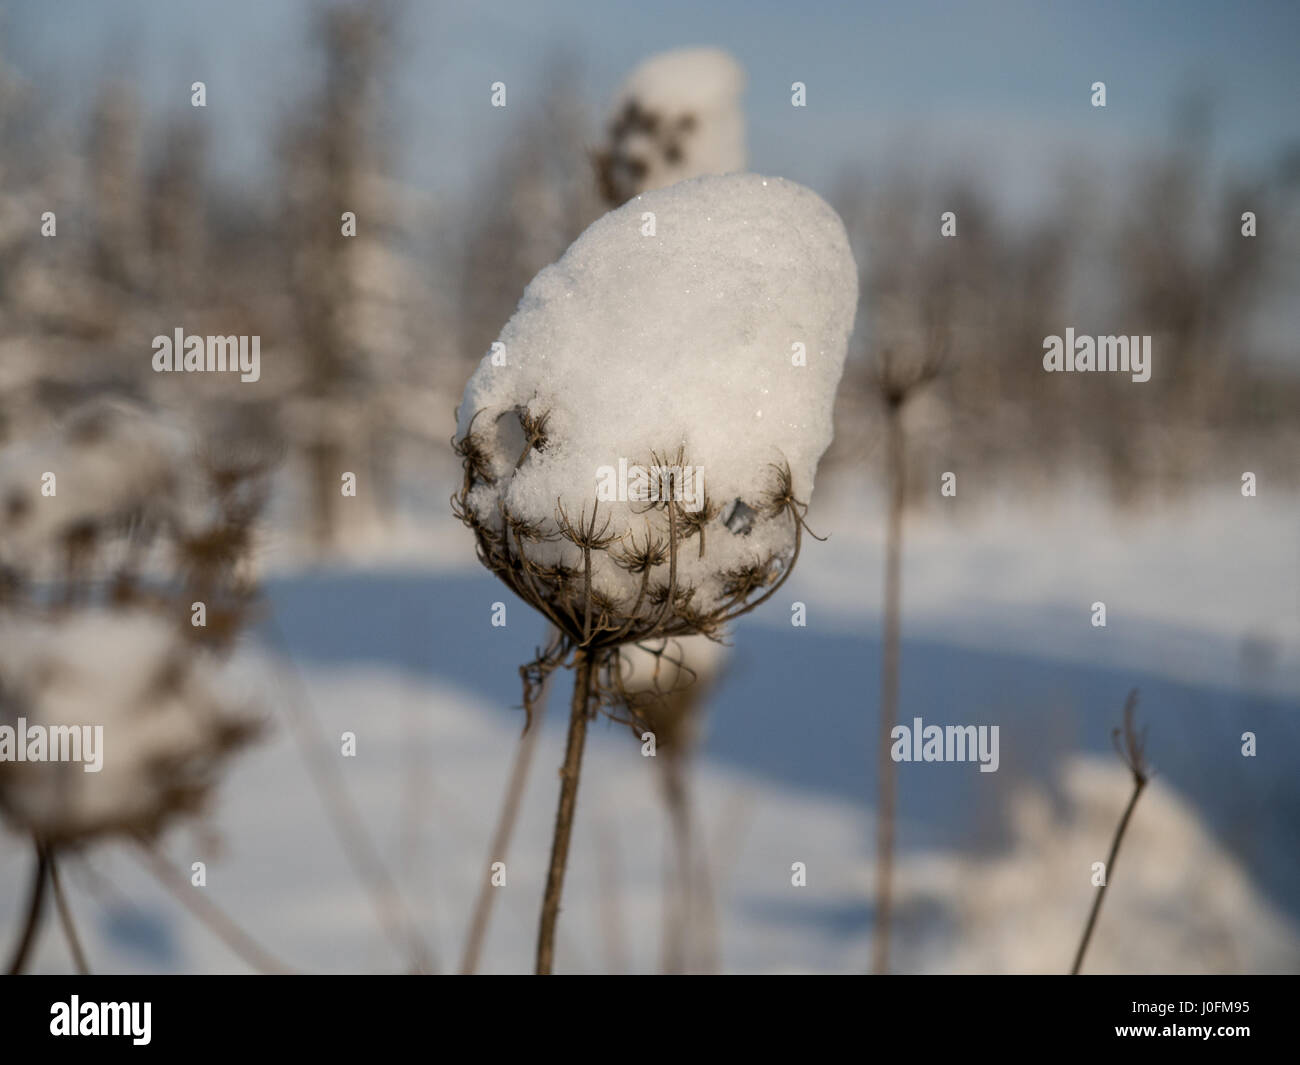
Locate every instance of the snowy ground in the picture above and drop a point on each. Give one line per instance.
(995, 869)
(1204, 589)
(1180, 903)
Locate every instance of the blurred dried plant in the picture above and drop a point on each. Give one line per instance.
(1130, 745)
(591, 628)
(124, 585)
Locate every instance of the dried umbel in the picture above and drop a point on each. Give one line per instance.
(118, 505)
(661, 686)
(677, 116)
(557, 568)
(123, 585)
(147, 715)
(673, 355)
(107, 472)
(694, 337)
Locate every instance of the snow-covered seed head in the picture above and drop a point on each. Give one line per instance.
(677, 116)
(116, 493)
(660, 685)
(123, 689)
(639, 464)
(107, 468)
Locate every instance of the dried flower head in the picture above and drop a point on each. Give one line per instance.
(109, 470)
(98, 640)
(648, 397)
(658, 686)
(677, 116)
(127, 682)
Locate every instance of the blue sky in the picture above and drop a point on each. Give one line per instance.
(1002, 85)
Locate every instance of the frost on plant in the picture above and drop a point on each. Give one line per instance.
(667, 352)
(677, 116)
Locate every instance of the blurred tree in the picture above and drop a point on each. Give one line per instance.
(538, 198)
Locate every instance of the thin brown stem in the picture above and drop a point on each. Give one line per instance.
(887, 771)
(65, 919)
(532, 594)
(1131, 746)
(749, 607)
(505, 830)
(678, 879)
(634, 614)
(1138, 785)
(583, 669)
(35, 908)
(610, 892)
(706, 925)
(586, 592)
(210, 914)
(353, 836)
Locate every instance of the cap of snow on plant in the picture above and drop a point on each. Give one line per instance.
(114, 468)
(677, 116)
(671, 354)
(168, 722)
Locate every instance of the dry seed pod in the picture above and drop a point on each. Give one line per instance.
(677, 116)
(160, 716)
(649, 400)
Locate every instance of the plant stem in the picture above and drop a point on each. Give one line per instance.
(505, 830)
(35, 907)
(564, 814)
(350, 829)
(208, 912)
(679, 869)
(65, 919)
(887, 771)
(706, 926)
(1139, 782)
(609, 891)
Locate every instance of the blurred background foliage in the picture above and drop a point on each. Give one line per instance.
(368, 340)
